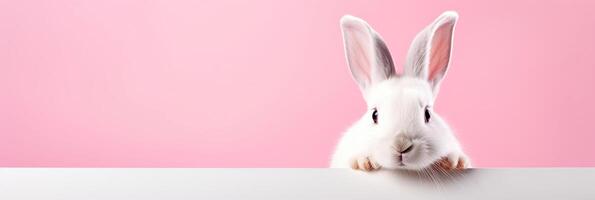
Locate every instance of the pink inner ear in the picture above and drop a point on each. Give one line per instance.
(359, 56)
(440, 51)
(362, 60)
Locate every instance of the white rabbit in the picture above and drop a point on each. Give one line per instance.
(400, 130)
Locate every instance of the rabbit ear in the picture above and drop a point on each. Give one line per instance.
(368, 57)
(429, 54)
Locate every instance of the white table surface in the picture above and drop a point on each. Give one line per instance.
(194, 183)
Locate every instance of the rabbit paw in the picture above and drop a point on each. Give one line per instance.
(455, 161)
(364, 164)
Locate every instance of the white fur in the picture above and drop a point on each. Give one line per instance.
(400, 100)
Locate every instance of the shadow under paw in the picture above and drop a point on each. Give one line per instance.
(438, 174)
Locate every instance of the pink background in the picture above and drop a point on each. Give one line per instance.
(264, 83)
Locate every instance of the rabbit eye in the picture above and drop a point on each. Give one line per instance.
(427, 115)
(375, 116)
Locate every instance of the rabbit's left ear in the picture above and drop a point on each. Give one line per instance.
(429, 54)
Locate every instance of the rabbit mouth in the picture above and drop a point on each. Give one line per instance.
(400, 161)
(411, 162)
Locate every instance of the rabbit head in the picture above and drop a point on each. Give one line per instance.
(400, 128)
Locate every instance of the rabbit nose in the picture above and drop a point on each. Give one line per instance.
(403, 144)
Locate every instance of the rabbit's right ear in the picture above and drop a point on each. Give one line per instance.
(368, 57)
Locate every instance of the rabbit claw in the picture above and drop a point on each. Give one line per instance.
(454, 161)
(365, 164)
